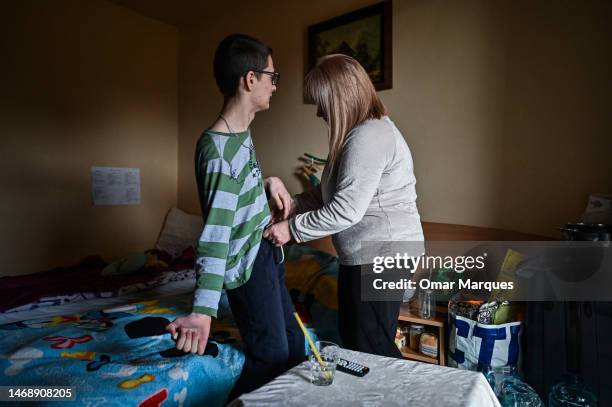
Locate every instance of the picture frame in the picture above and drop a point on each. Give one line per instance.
(364, 34)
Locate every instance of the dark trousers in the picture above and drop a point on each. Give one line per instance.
(263, 311)
(365, 326)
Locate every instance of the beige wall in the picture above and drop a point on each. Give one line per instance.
(447, 99)
(492, 105)
(83, 84)
(558, 115)
(504, 105)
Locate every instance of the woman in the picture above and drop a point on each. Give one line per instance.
(367, 193)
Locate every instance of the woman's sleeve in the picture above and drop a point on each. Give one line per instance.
(364, 157)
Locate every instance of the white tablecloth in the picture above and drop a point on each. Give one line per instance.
(390, 382)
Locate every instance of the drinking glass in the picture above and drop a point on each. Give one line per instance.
(322, 372)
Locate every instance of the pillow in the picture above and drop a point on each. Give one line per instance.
(181, 230)
(134, 263)
(125, 265)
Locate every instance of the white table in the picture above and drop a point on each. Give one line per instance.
(390, 382)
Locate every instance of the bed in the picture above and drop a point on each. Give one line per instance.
(109, 343)
(118, 357)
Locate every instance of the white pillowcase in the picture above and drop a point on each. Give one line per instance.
(180, 231)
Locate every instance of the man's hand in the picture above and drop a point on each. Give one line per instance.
(284, 205)
(279, 233)
(193, 331)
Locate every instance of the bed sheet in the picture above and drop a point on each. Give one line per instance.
(80, 345)
(79, 307)
(118, 358)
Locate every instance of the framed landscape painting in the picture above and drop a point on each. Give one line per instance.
(364, 34)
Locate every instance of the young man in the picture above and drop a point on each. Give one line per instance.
(231, 253)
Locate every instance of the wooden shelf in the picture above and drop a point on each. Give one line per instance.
(411, 354)
(409, 315)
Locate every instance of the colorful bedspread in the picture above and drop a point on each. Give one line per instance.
(312, 280)
(119, 358)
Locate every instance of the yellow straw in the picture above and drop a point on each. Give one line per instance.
(311, 343)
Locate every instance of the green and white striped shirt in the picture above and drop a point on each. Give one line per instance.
(235, 211)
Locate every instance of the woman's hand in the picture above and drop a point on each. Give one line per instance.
(279, 233)
(193, 332)
(284, 206)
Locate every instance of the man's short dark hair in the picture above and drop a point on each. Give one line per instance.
(236, 55)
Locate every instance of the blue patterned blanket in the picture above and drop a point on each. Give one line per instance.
(111, 360)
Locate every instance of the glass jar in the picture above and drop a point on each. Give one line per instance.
(571, 392)
(427, 304)
(428, 344)
(400, 338)
(509, 388)
(415, 335)
(405, 332)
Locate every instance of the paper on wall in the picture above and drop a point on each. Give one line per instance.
(115, 186)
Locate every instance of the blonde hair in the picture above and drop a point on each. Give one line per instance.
(344, 93)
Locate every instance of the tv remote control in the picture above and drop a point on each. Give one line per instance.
(352, 368)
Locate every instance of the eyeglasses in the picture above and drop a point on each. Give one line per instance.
(275, 76)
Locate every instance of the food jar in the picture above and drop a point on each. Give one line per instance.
(400, 339)
(428, 344)
(415, 332)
